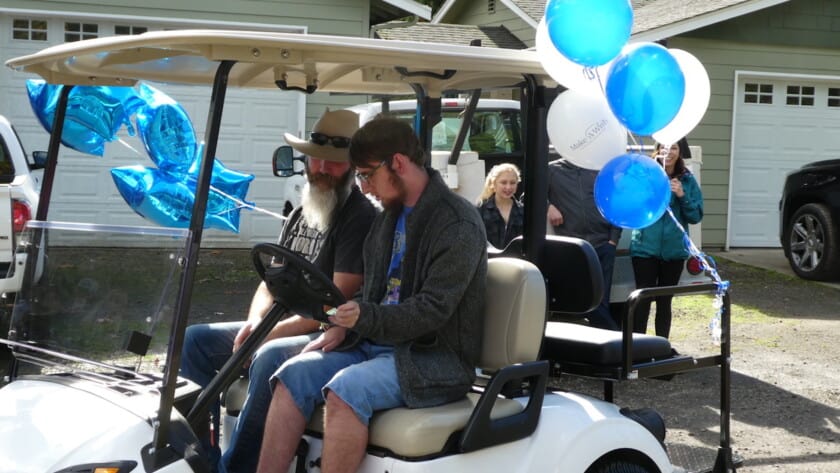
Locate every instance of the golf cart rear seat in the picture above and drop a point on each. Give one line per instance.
(575, 286)
(573, 276)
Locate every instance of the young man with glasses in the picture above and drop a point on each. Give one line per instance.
(419, 313)
(328, 229)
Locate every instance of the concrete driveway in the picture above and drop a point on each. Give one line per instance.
(767, 258)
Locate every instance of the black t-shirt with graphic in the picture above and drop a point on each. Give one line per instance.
(339, 248)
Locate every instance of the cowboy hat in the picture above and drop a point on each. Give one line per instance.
(330, 137)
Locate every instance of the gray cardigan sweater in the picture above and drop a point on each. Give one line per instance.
(436, 328)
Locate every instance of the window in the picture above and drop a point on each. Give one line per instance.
(127, 30)
(492, 131)
(758, 93)
(800, 95)
(491, 6)
(7, 170)
(80, 31)
(29, 30)
(834, 97)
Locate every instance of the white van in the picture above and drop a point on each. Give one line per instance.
(495, 131)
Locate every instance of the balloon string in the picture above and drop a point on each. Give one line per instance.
(127, 145)
(703, 258)
(711, 270)
(247, 205)
(240, 204)
(602, 87)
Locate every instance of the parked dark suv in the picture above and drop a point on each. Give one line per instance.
(809, 214)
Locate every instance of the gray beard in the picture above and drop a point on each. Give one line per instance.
(318, 206)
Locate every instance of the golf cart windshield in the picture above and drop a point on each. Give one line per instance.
(99, 299)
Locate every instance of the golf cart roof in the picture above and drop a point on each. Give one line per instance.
(329, 63)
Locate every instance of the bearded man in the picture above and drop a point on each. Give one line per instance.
(419, 314)
(328, 229)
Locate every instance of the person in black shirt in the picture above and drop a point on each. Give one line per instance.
(328, 229)
(572, 212)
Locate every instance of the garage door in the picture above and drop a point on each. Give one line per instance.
(780, 124)
(252, 127)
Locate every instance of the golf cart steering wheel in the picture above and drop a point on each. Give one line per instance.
(294, 282)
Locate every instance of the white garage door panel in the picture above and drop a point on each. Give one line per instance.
(770, 140)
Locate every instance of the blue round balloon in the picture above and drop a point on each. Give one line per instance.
(645, 88)
(632, 191)
(589, 32)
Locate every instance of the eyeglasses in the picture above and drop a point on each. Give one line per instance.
(321, 139)
(365, 176)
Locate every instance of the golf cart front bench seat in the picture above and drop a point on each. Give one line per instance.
(513, 329)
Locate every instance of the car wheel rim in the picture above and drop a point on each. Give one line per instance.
(807, 243)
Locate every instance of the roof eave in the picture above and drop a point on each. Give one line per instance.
(521, 13)
(414, 8)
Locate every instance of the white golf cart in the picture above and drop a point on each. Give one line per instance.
(79, 399)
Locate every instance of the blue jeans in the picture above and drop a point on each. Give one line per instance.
(601, 317)
(364, 377)
(206, 349)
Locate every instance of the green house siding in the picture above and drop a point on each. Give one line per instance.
(802, 23)
(477, 13)
(338, 17)
(722, 59)
(797, 37)
(335, 17)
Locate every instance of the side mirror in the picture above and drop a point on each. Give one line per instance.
(39, 160)
(283, 162)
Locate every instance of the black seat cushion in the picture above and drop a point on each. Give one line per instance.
(577, 343)
(571, 269)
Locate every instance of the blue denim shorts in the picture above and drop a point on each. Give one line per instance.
(365, 378)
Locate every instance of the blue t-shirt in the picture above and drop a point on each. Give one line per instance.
(392, 293)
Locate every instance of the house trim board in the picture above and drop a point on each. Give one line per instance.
(156, 19)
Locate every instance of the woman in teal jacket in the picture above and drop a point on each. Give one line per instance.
(659, 251)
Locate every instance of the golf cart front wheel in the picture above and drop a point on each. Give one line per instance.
(618, 466)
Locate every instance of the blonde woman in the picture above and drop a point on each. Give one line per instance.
(503, 215)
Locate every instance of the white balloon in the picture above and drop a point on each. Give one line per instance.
(563, 70)
(584, 130)
(695, 102)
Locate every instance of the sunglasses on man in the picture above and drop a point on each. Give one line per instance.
(321, 139)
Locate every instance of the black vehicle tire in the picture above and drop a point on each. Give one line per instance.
(811, 237)
(618, 466)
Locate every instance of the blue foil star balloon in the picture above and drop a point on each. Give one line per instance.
(168, 199)
(93, 117)
(166, 131)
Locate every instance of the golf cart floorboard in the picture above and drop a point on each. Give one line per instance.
(697, 459)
